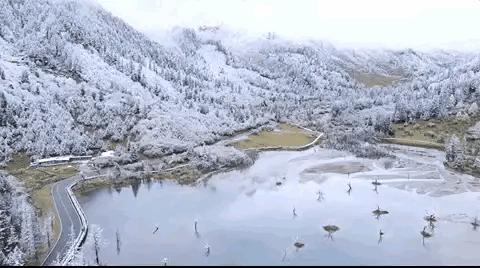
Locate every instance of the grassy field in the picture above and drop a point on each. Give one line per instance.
(36, 178)
(283, 135)
(432, 133)
(415, 143)
(38, 183)
(371, 80)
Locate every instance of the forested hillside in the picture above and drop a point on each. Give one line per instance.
(20, 234)
(75, 78)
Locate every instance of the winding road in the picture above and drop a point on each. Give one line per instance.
(70, 224)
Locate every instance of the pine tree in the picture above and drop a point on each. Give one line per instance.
(24, 78)
(453, 150)
(2, 73)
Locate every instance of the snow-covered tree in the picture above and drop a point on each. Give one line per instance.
(25, 77)
(453, 150)
(19, 231)
(473, 109)
(2, 73)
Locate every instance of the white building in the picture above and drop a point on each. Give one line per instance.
(59, 160)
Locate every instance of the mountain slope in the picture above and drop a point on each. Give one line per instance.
(76, 79)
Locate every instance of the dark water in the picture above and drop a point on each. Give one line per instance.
(247, 219)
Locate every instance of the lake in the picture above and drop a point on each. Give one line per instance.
(256, 215)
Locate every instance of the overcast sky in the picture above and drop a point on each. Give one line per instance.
(388, 23)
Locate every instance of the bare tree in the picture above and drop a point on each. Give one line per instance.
(2, 74)
(117, 234)
(96, 245)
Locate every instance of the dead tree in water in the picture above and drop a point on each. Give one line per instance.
(431, 219)
(330, 230)
(378, 212)
(321, 196)
(475, 224)
(117, 234)
(298, 243)
(375, 189)
(96, 245)
(425, 234)
(207, 248)
(380, 236)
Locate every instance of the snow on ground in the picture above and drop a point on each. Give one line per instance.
(107, 153)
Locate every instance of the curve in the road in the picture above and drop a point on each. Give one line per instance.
(70, 222)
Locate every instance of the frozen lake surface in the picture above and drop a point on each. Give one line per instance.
(246, 217)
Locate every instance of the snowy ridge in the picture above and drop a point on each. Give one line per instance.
(77, 79)
(74, 79)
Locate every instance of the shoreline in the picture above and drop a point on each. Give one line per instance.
(413, 143)
(193, 175)
(188, 174)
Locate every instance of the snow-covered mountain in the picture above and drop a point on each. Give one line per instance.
(74, 78)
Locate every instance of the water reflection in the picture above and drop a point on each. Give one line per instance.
(117, 239)
(425, 234)
(376, 183)
(284, 255)
(247, 219)
(380, 236)
(207, 250)
(320, 196)
(431, 219)
(135, 187)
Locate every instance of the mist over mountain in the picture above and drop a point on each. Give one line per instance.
(74, 79)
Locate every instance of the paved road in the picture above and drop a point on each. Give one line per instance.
(70, 223)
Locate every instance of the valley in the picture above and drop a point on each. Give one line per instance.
(276, 147)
